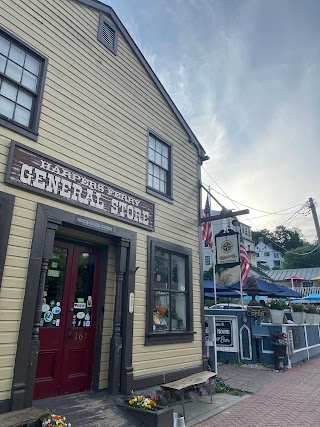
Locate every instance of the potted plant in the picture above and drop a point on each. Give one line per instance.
(277, 307)
(311, 314)
(298, 313)
(148, 411)
(54, 420)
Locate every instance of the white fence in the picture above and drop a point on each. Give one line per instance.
(307, 291)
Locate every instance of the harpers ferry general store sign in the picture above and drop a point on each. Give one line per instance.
(37, 172)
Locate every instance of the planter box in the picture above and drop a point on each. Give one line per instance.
(311, 318)
(298, 317)
(163, 417)
(277, 316)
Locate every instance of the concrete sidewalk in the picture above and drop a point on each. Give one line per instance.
(100, 409)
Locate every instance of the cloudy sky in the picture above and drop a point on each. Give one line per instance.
(246, 77)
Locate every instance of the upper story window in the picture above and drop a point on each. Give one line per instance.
(169, 308)
(108, 35)
(159, 167)
(22, 75)
(267, 254)
(207, 260)
(206, 244)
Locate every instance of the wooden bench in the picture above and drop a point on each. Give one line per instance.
(21, 418)
(188, 383)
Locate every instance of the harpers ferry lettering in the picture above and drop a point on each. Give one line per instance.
(78, 188)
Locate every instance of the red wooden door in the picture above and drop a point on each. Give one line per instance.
(67, 328)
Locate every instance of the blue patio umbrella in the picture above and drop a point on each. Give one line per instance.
(289, 293)
(208, 284)
(313, 299)
(258, 298)
(223, 294)
(265, 288)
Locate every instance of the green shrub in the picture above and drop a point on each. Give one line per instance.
(300, 308)
(277, 304)
(311, 309)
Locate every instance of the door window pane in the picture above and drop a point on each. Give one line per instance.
(53, 289)
(83, 299)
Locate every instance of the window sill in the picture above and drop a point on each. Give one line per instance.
(159, 195)
(16, 128)
(169, 337)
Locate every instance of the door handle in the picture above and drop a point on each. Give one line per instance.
(69, 332)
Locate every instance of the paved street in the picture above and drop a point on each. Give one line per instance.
(290, 399)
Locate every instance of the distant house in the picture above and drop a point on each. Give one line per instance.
(267, 256)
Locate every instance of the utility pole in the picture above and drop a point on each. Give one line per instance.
(315, 218)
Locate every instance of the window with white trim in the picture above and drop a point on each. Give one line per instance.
(22, 73)
(207, 260)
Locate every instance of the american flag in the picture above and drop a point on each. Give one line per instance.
(207, 226)
(244, 261)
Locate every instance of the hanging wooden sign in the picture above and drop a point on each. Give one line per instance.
(37, 172)
(227, 249)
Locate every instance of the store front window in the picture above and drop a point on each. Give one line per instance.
(170, 294)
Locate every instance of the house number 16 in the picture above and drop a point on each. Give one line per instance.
(80, 336)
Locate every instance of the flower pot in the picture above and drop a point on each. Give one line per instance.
(277, 316)
(162, 417)
(311, 318)
(178, 420)
(298, 317)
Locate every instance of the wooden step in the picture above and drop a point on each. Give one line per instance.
(21, 418)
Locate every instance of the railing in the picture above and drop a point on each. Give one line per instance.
(307, 291)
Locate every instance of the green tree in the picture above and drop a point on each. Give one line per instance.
(292, 260)
(282, 238)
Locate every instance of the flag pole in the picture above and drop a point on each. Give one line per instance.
(214, 275)
(241, 290)
(213, 262)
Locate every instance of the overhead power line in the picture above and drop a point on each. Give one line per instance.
(224, 194)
